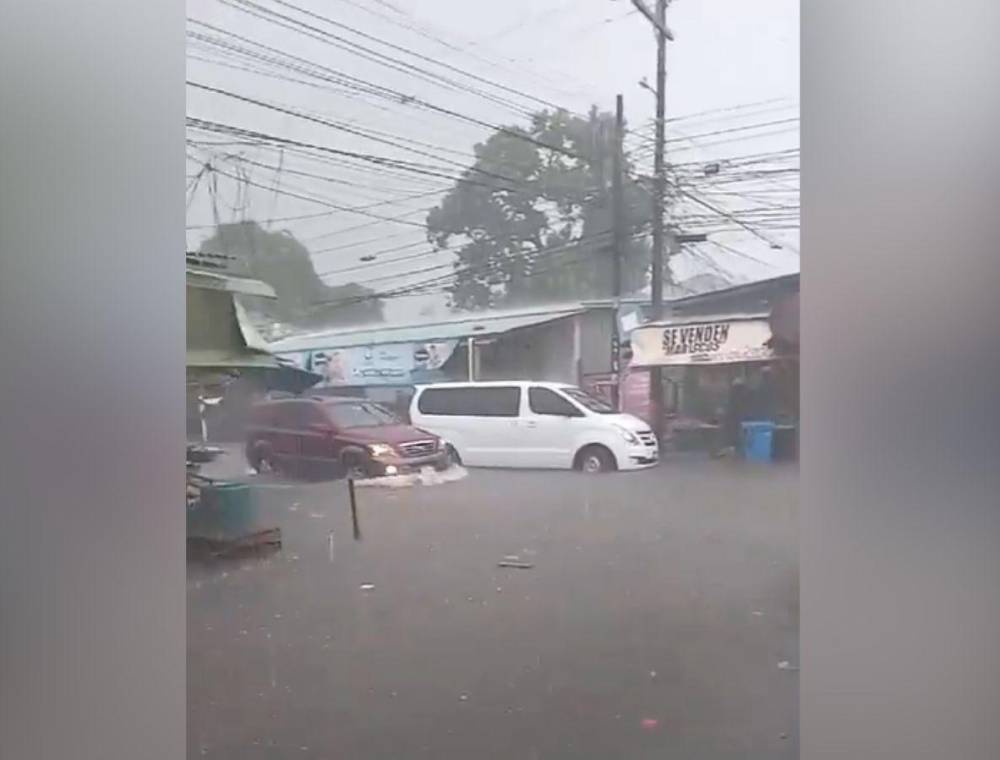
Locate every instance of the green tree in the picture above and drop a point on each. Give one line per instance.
(531, 223)
(283, 262)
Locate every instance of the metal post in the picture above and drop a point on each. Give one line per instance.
(619, 246)
(354, 509)
(470, 348)
(659, 270)
(201, 419)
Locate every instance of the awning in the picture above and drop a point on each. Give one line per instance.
(213, 367)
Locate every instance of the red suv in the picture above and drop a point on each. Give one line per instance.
(357, 437)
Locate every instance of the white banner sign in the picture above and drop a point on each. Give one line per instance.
(386, 364)
(719, 342)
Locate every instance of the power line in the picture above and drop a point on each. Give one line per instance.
(335, 125)
(400, 48)
(395, 64)
(393, 95)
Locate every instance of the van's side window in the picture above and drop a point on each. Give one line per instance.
(495, 401)
(545, 401)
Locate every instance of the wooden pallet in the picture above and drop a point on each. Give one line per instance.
(252, 543)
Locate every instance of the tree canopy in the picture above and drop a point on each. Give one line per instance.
(283, 262)
(532, 223)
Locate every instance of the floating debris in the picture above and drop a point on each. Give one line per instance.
(516, 564)
(786, 665)
(367, 586)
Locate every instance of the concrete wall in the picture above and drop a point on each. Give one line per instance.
(595, 343)
(542, 352)
(560, 351)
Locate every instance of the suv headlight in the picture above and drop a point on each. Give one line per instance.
(380, 449)
(627, 434)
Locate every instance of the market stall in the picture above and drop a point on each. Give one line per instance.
(704, 358)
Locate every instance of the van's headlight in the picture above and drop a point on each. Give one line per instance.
(627, 435)
(380, 449)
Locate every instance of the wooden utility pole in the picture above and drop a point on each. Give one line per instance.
(659, 270)
(618, 228)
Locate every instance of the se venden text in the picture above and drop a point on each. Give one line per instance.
(695, 339)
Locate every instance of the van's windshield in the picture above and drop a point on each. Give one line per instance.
(589, 402)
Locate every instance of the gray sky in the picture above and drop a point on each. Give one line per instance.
(727, 56)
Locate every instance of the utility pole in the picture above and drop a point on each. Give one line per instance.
(663, 33)
(618, 227)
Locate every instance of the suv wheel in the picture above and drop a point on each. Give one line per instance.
(354, 468)
(452, 458)
(264, 463)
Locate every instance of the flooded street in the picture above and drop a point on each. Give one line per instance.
(646, 615)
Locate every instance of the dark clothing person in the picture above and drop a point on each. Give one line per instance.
(737, 411)
(764, 405)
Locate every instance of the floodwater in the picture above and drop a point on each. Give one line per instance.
(650, 623)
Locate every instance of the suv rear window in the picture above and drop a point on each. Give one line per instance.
(487, 401)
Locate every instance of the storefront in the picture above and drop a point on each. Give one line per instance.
(701, 357)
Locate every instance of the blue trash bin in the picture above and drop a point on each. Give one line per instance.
(758, 441)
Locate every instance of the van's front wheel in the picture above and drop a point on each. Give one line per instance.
(595, 459)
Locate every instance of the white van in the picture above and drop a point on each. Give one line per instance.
(532, 424)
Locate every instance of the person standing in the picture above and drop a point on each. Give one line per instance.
(737, 408)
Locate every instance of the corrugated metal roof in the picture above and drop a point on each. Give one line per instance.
(697, 319)
(785, 279)
(214, 280)
(461, 326)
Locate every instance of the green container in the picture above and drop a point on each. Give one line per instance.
(226, 511)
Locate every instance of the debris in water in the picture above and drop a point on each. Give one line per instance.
(367, 586)
(786, 665)
(758, 613)
(515, 564)
(650, 724)
(784, 736)
(463, 697)
(652, 674)
(317, 515)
